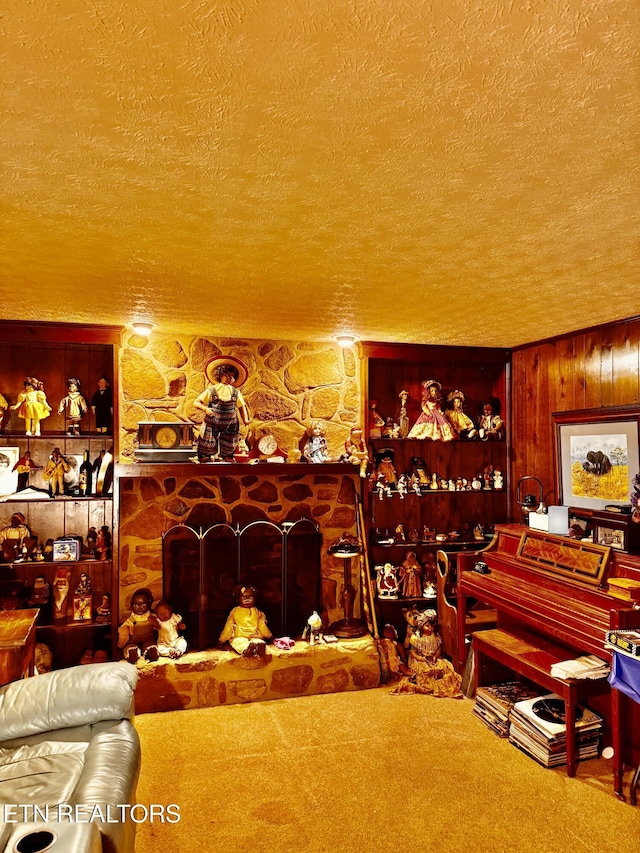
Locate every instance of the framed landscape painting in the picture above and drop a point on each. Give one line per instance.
(597, 456)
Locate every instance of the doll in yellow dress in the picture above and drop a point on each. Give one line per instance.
(32, 406)
(246, 628)
(432, 423)
(462, 424)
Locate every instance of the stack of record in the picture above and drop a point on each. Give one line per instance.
(494, 703)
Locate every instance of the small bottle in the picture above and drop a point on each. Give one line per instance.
(86, 476)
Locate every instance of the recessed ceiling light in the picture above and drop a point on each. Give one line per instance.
(143, 329)
(345, 340)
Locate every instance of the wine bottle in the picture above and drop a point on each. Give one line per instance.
(86, 476)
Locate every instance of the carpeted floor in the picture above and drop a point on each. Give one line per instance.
(366, 772)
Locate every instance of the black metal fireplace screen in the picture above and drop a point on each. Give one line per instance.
(202, 569)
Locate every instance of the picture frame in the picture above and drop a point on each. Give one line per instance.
(596, 456)
(9, 457)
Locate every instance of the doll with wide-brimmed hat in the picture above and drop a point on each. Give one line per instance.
(458, 418)
(223, 406)
(432, 423)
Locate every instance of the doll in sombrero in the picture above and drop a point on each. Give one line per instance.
(223, 406)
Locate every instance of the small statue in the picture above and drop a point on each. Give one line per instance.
(246, 628)
(167, 623)
(411, 576)
(314, 629)
(356, 450)
(40, 592)
(498, 479)
(103, 543)
(385, 467)
(13, 536)
(60, 593)
(402, 485)
(103, 610)
(137, 634)
(54, 471)
(24, 466)
(32, 406)
(102, 405)
(92, 542)
(403, 420)
(387, 581)
(376, 420)
(74, 405)
(83, 587)
(315, 450)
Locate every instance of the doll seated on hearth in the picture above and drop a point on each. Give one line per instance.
(246, 630)
(168, 624)
(137, 634)
(393, 658)
(429, 672)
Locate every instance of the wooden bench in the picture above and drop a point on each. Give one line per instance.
(532, 657)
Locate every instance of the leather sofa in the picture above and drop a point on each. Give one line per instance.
(69, 761)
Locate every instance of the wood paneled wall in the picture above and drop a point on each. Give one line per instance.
(595, 368)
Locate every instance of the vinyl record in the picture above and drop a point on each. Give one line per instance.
(553, 711)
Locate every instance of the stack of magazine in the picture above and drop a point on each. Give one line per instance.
(538, 727)
(494, 703)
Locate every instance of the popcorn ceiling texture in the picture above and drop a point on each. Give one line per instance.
(453, 171)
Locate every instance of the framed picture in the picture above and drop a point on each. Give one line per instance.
(597, 456)
(8, 477)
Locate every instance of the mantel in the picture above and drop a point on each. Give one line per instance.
(235, 469)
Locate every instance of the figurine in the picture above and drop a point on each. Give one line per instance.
(221, 403)
(74, 405)
(137, 634)
(402, 485)
(458, 418)
(60, 593)
(103, 543)
(411, 576)
(167, 623)
(103, 610)
(40, 592)
(314, 629)
(92, 542)
(403, 420)
(102, 405)
(392, 656)
(399, 535)
(246, 628)
(315, 450)
(54, 471)
(385, 467)
(32, 406)
(390, 429)
(432, 424)
(429, 672)
(13, 536)
(24, 466)
(498, 479)
(387, 581)
(356, 450)
(83, 587)
(491, 424)
(376, 421)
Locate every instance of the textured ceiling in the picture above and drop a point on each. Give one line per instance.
(457, 171)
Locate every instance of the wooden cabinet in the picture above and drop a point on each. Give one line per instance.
(52, 353)
(469, 498)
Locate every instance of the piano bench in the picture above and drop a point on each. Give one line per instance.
(532, 657)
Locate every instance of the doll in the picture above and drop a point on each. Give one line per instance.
(356, 450)
(137, 634)
(74, 405)
(221, 403)
(167, 623)
(315, 450)
(460, 421)
(102, 405)
(392, 656)
(429, 672)
(432, 423)
(491, 424)
(54, 471)
(32, 406)
(246, 628)
(24, 466)
(411, 576)
(385, 467)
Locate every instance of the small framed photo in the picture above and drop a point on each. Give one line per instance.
(82, 608)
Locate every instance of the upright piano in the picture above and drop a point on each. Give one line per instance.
(554, 586)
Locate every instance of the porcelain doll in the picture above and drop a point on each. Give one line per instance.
(137, 634)
(431, 423)
(356, 450)
(74, 406)
(167, 623)
(429, 672)
(491, 425)
(30, 406)
(223, 406)
(458, 418)
(392, 655)
(102, 405)
(246, 629)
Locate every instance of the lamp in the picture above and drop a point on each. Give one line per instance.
(141, 328)
(345, 340)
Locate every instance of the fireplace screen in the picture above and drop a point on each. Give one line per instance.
(202, 568)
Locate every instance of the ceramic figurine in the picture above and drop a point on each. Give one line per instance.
(314, 629)
(167, 623)
(431, 423)
(403, 420)
(315, 449)
(74, 406)
(31, 406)
(411, 576)
(223, 406)
(387, 581)
(60, 593)
(356, 450)
(24, 466)
(54, 471)
(103, 610)
(246, 629)
(385, 467)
